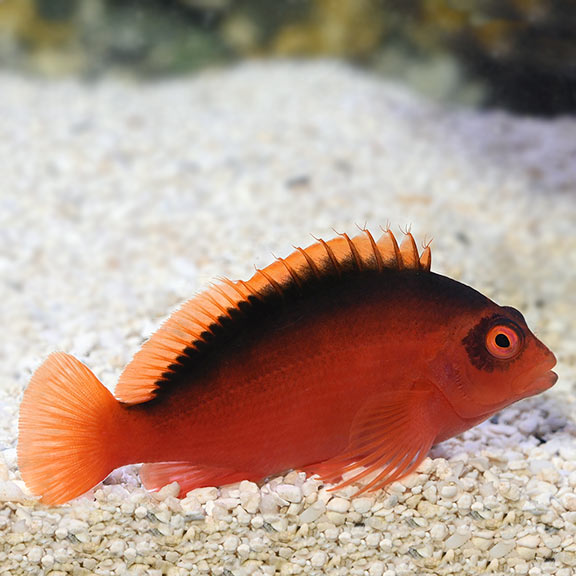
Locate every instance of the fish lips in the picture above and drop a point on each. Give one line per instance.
(543, 377)
(543, 382)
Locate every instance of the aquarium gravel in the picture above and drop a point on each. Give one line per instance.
(118, 201)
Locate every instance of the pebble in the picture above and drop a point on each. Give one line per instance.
(289, 492)
(47, 561)
(481, 543)
(141, 512)
(459, 538)
(117, 547)
(339, 505)
(428, 510)
(171, 490)
(373, 540)
(11, 492)
(501, 549)
(438, 531)
(35, 554)
(430, 492)
(551, 541)
(529, 541)
(204, 495)
(362, 505)
(312, 513)
(569, 502)
(465, 502)
(230, 543)
(318, 559)
(525, 553)
(243, 550)
(449, 492)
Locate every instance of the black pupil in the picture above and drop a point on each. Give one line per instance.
(502, 341)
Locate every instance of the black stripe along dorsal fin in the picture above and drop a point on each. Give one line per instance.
(197, 324)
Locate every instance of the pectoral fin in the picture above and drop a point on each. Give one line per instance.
(390, 436)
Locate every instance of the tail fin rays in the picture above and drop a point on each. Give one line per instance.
(65, 426)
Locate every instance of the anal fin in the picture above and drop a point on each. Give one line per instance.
(390, 436)
(189, 476)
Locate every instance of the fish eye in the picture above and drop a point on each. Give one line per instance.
(504, 341)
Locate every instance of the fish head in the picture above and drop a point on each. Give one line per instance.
(496, 360)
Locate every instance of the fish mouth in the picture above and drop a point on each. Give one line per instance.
(543, 382)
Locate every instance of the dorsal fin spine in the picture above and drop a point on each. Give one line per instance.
(375, 250)
(354, 252)
(174, 337)
(397, 253)
(213, 319)
(409, 251)
(156, 355)
(187, 323)
(180, 324)
(332, 257)
(217, 304)
(249, 289)
(292, 273)
(425, 260)
(390, 253)
(221, 291)
(271, 282)
(311, 262)
(236, 287)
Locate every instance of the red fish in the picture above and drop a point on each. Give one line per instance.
(347, 356)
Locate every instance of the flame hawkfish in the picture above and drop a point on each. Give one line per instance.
(348, 356)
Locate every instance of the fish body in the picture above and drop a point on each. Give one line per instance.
(348, 356)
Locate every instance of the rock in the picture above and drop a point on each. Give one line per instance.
(318, 559)
(501, 549)
(289, 492)
(449, 492)
(362, 505)
(529, 541)
(230, 543)
(339, 505)
(11, 492)
(459, 538)
(313, 512)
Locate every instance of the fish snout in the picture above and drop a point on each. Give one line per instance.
(545, 378)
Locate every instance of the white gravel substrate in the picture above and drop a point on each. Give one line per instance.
(119, 201)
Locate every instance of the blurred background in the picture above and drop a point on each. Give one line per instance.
(519, 55)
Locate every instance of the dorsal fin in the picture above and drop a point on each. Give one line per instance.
(202, 320)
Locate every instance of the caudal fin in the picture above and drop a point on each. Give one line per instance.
(65, 426)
